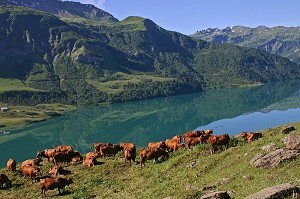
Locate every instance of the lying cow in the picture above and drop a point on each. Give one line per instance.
(150, 154)
(4, 180)
(11, 164)
(32, 162)
(53, 183)
(251, 136)
(220, 140)
(89, 161)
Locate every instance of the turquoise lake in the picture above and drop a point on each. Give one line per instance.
(223, 110)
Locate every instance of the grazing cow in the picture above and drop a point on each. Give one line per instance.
(32, 162)
(150, 154)
(64, 156)
(155, 145)
(47, 153)
(11, 164)
(191, 141)
(129, 155)
(64, 148)
(177, 138)
(219, 140)
(89, 161)
(99, 144)
(4, 180)
(129, 151)
(53, 183)
(193, 134)
(251, 136)
(110, 150)
(172, 145)
(28, 170)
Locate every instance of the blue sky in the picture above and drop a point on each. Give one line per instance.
(191, 15)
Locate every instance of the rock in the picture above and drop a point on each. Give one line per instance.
(223, 181)
(287, 129)
(274, 158)
(208, 188)
(292, 141)
(216, 195)
(191, 187)
(270, 147)
(275, 192)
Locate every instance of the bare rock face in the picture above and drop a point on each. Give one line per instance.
(270, 147)
(216, 195)
(274, 158)
(287, 129)
(292, 141)
(276, 192)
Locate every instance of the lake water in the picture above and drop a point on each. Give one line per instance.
(224, 110)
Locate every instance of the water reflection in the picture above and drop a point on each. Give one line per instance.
(145, 121)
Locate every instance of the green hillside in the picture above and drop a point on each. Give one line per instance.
(186, 174)
(90, 62)
(278, 40)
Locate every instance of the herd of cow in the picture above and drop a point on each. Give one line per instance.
(155, 151)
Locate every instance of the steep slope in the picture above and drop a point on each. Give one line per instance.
(64, 9)
(90, 63)
(279, 40)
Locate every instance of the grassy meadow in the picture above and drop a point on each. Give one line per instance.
(186, 174)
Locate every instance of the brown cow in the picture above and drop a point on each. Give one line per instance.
(92, 154)
(149, 154)
(53, 183)
(32, 162)
(76, 159)
(55, 170)
(129, 151)
(207, 132)
(64, 148)
(99, 144)
(219, 140)
(89, 161)
(4, 180)
(191, 141)
(154, 145)
(193, 134)
(47, 153)
(177, 138)
(110, 150)
(172, 145)
(251, 136)
(64, 156)
(28, 170)
(11, 164)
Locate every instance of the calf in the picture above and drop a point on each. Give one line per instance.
(89, 161)
(32, 162)
(30, 171)
(221, 140)
(149, 154)
(172, 145)
(4, 180)
(53, 183)
(11, 164)
(250, 136)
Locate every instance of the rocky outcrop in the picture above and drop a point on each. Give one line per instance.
(292, 141)
(216, 195)
(274, 158)
(287, 129)
(276, 192)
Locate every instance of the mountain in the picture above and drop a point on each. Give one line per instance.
(278, 40)
(64, 9)
(45, 58)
